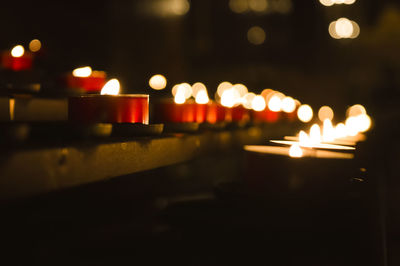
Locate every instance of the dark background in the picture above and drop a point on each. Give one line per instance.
(132, 42)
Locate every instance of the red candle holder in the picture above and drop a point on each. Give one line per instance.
(10, 62)
(91, 84)
(266, 115)
(169, 111)
(201, 112)
(239, 114)
(217, 113)
(127, 108)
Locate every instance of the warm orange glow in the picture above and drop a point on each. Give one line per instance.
(304, 140)
(332, 2)
(256, 35)
(364, 122)
(288, 104)
(82, 72)
(158, 82)
(315, 134)
(356, 30)
(275, 103)
(35, 45)
(178, 7)
(112, 87)
(202, 97)
(344, 27)
(305, 113)
(356, 110)
(327, 2)
(17, 51)
(247, 100)
(223, 86)
(328, 132)
(258, 103)
(325, 112)
(295, 151)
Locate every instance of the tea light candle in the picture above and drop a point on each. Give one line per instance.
(85, 80)
(17, 60)
(109, 107)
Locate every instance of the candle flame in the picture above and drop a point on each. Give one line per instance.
(315, 134)
(340, 131)
(112, 87)
(158, 82)
(17, 51)
(304, 140)
(288, 104)
(247, 100)
(295, 151)
(230, 97)
(82, 72)
(202, 97)
(328, 132)
(275, 103)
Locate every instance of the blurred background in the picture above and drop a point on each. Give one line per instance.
(281, 44)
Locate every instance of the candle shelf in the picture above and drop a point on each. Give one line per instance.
(136, 129)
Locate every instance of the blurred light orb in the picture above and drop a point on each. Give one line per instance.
(230, 98)
(158, 82)
(223, 86)
(184, 88)
(288, 104)
(248, 99)
(202, 97)
(256, 35)
(35, 45)
(340, 131)
(258, 5)
(363, 122)
(258, 103)
(82, 72)
(344, 27)
(356, 30)
(197, 87)
(179, 7)
(325, 112)
(295, 151)
(356, 110)
(315, 134)
(241, 89)
(238, 6)
(275, 103)
(332, 30)
(327, 2)
(17, 51)
(305, 113)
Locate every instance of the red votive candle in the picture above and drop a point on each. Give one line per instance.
(91, 84)
(10, 62)
(201, 112)
(265, 116)
(239, 113)
(169, 111)
(217, 113)
(127, 108)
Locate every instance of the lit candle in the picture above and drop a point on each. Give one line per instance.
(17, 59)
(109, 107)
(85, 80)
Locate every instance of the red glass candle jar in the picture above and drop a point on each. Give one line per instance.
(266, 115)
(239, 113)
(10, 62)
(217, 113)
(201, 112)
(91, 84)
(168, 111)
(128, 108)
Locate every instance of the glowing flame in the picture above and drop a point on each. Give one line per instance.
(202, 97)
(356, 110)
(258, 103)
(230, 97)
(351, 126)
(364, 122)
(111, 87)
(241, 89)
(275, 103)
(184, 88)
(197, 87)
(82, 72)
(328, 132)
(295, 151)
(340, 131)
(315, 134)
(288, 104)
(158, 82)
(305, 113)
(17, 51)
(304, 140)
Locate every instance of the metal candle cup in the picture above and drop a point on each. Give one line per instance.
(91, 84)
(128, 108)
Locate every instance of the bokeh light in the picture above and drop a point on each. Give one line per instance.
(325, 112)
(258, 103)
(305, 113)
(82, 72)
(158, 82)
(238, 6)
(17, 51)
(288, 104)
(35, 45)
(112, 87)
(256, 35)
